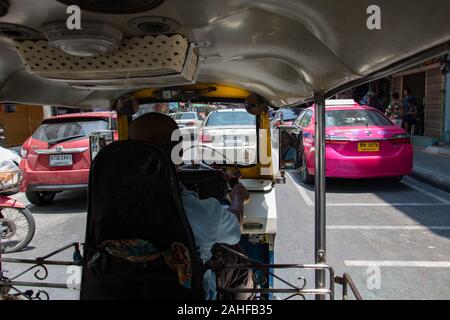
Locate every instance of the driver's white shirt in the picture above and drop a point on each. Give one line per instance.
(210, 224)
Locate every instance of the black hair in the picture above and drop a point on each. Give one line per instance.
(396, 95)
(156, 128)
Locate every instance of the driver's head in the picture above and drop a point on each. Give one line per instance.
(156, 128)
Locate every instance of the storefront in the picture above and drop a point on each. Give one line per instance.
(427, 83)
(447, 104)
(18, 123)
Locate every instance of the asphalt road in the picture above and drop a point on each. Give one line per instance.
(392, 238)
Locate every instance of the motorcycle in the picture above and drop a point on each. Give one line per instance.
(17, 225)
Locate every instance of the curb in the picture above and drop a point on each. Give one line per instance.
(433, 182)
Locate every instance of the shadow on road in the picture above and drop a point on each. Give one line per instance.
(65, 202)
(423, 208)
(361, 186)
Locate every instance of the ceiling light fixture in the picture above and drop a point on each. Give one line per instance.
(93, 39)
(115, 6)
(154, 25)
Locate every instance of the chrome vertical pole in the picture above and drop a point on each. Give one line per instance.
(320, 190)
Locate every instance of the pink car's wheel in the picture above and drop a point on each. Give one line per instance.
(305, 176)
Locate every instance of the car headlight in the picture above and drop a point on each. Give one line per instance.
(23, 153)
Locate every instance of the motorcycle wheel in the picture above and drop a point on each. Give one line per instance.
(17, 228)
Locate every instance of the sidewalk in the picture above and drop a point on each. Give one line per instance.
(432, 166)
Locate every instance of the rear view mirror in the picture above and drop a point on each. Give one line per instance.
(98, 140)
(289, 148)
(127, 105)
(255, 105)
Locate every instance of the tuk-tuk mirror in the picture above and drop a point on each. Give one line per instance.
(98, 140)
(289, 148)
(127, 105)
(255, 105)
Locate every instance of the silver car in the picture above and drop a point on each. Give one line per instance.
(189, 123)
(228, 136)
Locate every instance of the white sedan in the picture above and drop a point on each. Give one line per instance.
(228, 136)
(189, 123)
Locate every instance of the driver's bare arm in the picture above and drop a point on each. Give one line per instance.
(238, 196)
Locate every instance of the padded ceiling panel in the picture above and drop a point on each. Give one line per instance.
(283, 50)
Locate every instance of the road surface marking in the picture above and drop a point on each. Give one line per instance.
(302, 192)
(427, 193)
(310, 203)
(398, 264)
(388, 227)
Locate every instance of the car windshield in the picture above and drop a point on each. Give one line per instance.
(356, 118)
(54, 131)
(185, 116)
(231, 118)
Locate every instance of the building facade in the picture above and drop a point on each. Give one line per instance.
(428, 83)
(18, 123)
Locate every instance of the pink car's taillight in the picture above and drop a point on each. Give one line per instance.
(401, 139)
(333, 140)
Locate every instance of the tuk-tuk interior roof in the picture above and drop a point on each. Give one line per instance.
(283, 50)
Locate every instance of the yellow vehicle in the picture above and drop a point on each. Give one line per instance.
(118, 55)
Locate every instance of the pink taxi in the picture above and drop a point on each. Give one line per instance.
(361, 142)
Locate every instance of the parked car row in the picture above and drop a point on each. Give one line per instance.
(361, 142)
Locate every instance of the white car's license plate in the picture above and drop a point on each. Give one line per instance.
(236, 142)
(61, 160)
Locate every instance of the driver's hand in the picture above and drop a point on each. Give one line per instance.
(240, 193)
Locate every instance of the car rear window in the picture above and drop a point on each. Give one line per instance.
(185, 116)
(231, 118)
(356, 118)
(51, 131)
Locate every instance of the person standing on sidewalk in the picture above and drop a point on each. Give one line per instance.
(410, 117)
(394, 110)
(408, 98)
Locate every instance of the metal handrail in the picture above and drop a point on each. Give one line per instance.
(38, 266)
(346, 281)
(294, 290)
